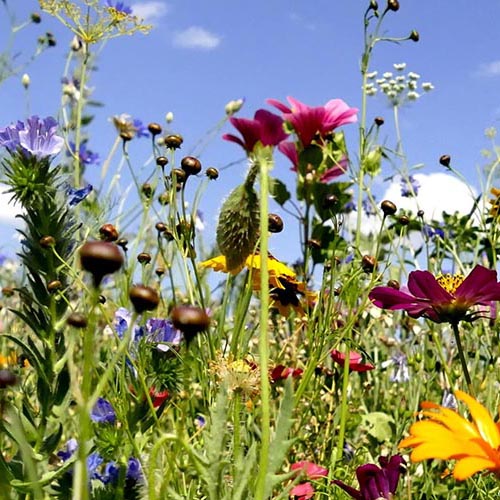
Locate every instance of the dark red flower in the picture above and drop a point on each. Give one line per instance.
(266, 128)
(376, 483)
(281, 372)
(158, 398)
(355, 363)
(444, 298)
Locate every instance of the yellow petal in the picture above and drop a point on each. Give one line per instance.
(468, 466)
(219, 264)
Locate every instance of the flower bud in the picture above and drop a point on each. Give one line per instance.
(76, 320)
(393, 5)
(76, 44)
(393, 284)
(154, 128)
(7, 378)
(108, 232)
(35, 18)
(144, 298)
(161, 161)
(368, 263)
(190, 320)
(191, 165)
(314, 244)
(144, 258)
(100, 258)
(388, 207)
(123, 242)
(414, 36)
(51, 41)
(404, 220)
(379, 121)
(234, 106)
(164, 198)
(173, 141)
(160, 271)
(212, 173)
(179, 174)
(373, 5)
(420, 213)
(25, 80)
(54, 285)
(160, 227)
(147, 190)
(275, 223)
(445, 160)
(47, 241)
(169, 117)
(102, 299)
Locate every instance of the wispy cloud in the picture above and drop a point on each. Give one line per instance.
(196, 37)
(150, 12)
(489, 69)
(298, 19)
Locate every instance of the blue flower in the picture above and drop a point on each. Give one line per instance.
(409, 187)
(103, 412)
(94, 460)
(400, 372)
(71, 447)
(140, 129)
(163, 332)
(111, 473)
(432, 232)
(134, 471)
(37, 137)
(368, 207)
(86, 156)
(120, 7)
(75, 196)
(123, 317)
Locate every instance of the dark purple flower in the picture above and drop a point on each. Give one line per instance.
(103, 412)
(120, 7)
(433, 232)
(111, 473)
(444, 298)
(37, 137)
(266, 128)
(409, 187)
(376, 483)
(134, 470)
(308, 121)
(76, 196)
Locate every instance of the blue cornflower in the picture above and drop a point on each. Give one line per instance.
(111, 473)
(122, 320)
(76, 196)
(449, 400)
(120, 7)
(199, 421)
(86, 156)
(140, 129)
(94, 460)
(350, 206)
(103, 412)
(368, 207)
(37, 137)
(432, 232)
(409, 187)
(163, 332)
(134, 471)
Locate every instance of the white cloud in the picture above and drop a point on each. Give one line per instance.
(489, 69)
(8, 210)
(150, 12)
(438, 193)
(196, 37)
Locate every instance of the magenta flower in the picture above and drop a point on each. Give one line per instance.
(304, 491)
(355, 363)
(307, 121)
(376, 483)
(266, 128)
(444, 298)
(281, 372)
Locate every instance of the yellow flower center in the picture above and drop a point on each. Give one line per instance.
(450, 282)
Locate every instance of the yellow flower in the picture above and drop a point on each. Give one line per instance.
(446, 435)
(495, 203)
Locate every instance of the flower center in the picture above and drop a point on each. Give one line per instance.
(450, 282)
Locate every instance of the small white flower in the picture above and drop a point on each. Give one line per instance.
(413, 96)
(391, 94)
(400, 78)
(412, 84)
(371, 91)
(380, 81)
(427, 86)
(169, 117)
(384, 87)
(400, 66)
(387, 75)
(371, 75)
(413, 76)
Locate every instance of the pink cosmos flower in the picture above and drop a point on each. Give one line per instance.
(355, 363)
(289, 149)
(266, 128)
(307, 121)
(442, 298)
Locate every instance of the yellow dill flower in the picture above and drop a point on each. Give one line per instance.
(446, 435)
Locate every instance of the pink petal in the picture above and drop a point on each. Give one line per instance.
(311, 470)
(289, 149)
(479, 287)
(302, 491)
(423, 284)
(271, 130)
(279, 105)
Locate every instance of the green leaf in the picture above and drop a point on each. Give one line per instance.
(279, 191)
(379, 425)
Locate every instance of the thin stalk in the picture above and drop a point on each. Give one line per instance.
(461, 355)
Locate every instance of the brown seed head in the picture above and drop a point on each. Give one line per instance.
(164, 198)
(173, 141)
(144, 258)
(414, 36)
(108, 232)
(404, 220)
(123, 242)
(77, 320)
(445, 160)
(393, 5)
(54, 285)
(314, 244)
(144, 298)
(212, 173)
(147, 190)
(190, 320)
(179, 174)
(275, 223)
(388, 207)
(161, 161)
(100, 258)
(368, 263)
(191, 165)
(47, 241)
(393, 284)
(154, 128)
(36, 18)
(379, 121)
(161, 227)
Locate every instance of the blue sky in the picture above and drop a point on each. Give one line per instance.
(202, 54)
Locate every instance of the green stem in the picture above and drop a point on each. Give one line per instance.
(264, 164)
(461, 355)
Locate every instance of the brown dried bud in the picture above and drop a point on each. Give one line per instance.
(445, 160)
(77, 320)
(368, 263)
(54, 285)
(179, 174)
(388, 207)
(7, 291)
(127, 135)
(314, 244)
(404, 220)
(191, 165)
(173, 141)
(212, 173)
(190, 320)
(100, 258)
(379, 121)
(147, 190)
(420, 213)
(275, 223)
(414, 36)
(144, 258)
(393, 284)
(144, 298)
(47, 241)
(160, 227)
(161, 161)
(154, 128)
(108, 232)
(169, 236)
(164, 198)
(7, 379)
(160, 271)
(393, 5)
(123, 242)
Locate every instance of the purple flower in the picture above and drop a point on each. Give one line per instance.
(400, 372)
(409, 187)
(140, 129)
(122, 320)
(111, 473)
(86, 156)
(376, 483)
(103, 412)
(37, 137)
(71, 447)
(94, 460)
(368, 207)
(266, 128)
(444, 298)
(76, 196)
(162, 331)
(120, 7)
(134, 471)
(432, 232)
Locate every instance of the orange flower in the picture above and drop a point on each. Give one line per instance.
(446, 435)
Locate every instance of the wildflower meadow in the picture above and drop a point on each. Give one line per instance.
(322, 342)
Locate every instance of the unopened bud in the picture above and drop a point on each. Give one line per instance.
(393, 284)
(414, 36)
(404, 220)
(379, 121)
(144, 298)
(36, 18)
(212, 173)
(169, 117)
(76, 44)
(234, 106)
(388, 207)
(191, 165)
(154, 128)
(275, 223)
(393, 5)
(144, 258)
(161, 161)
(445, 160)
(368, 263)
(25, 80)
(108, 232)
(173, 141)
